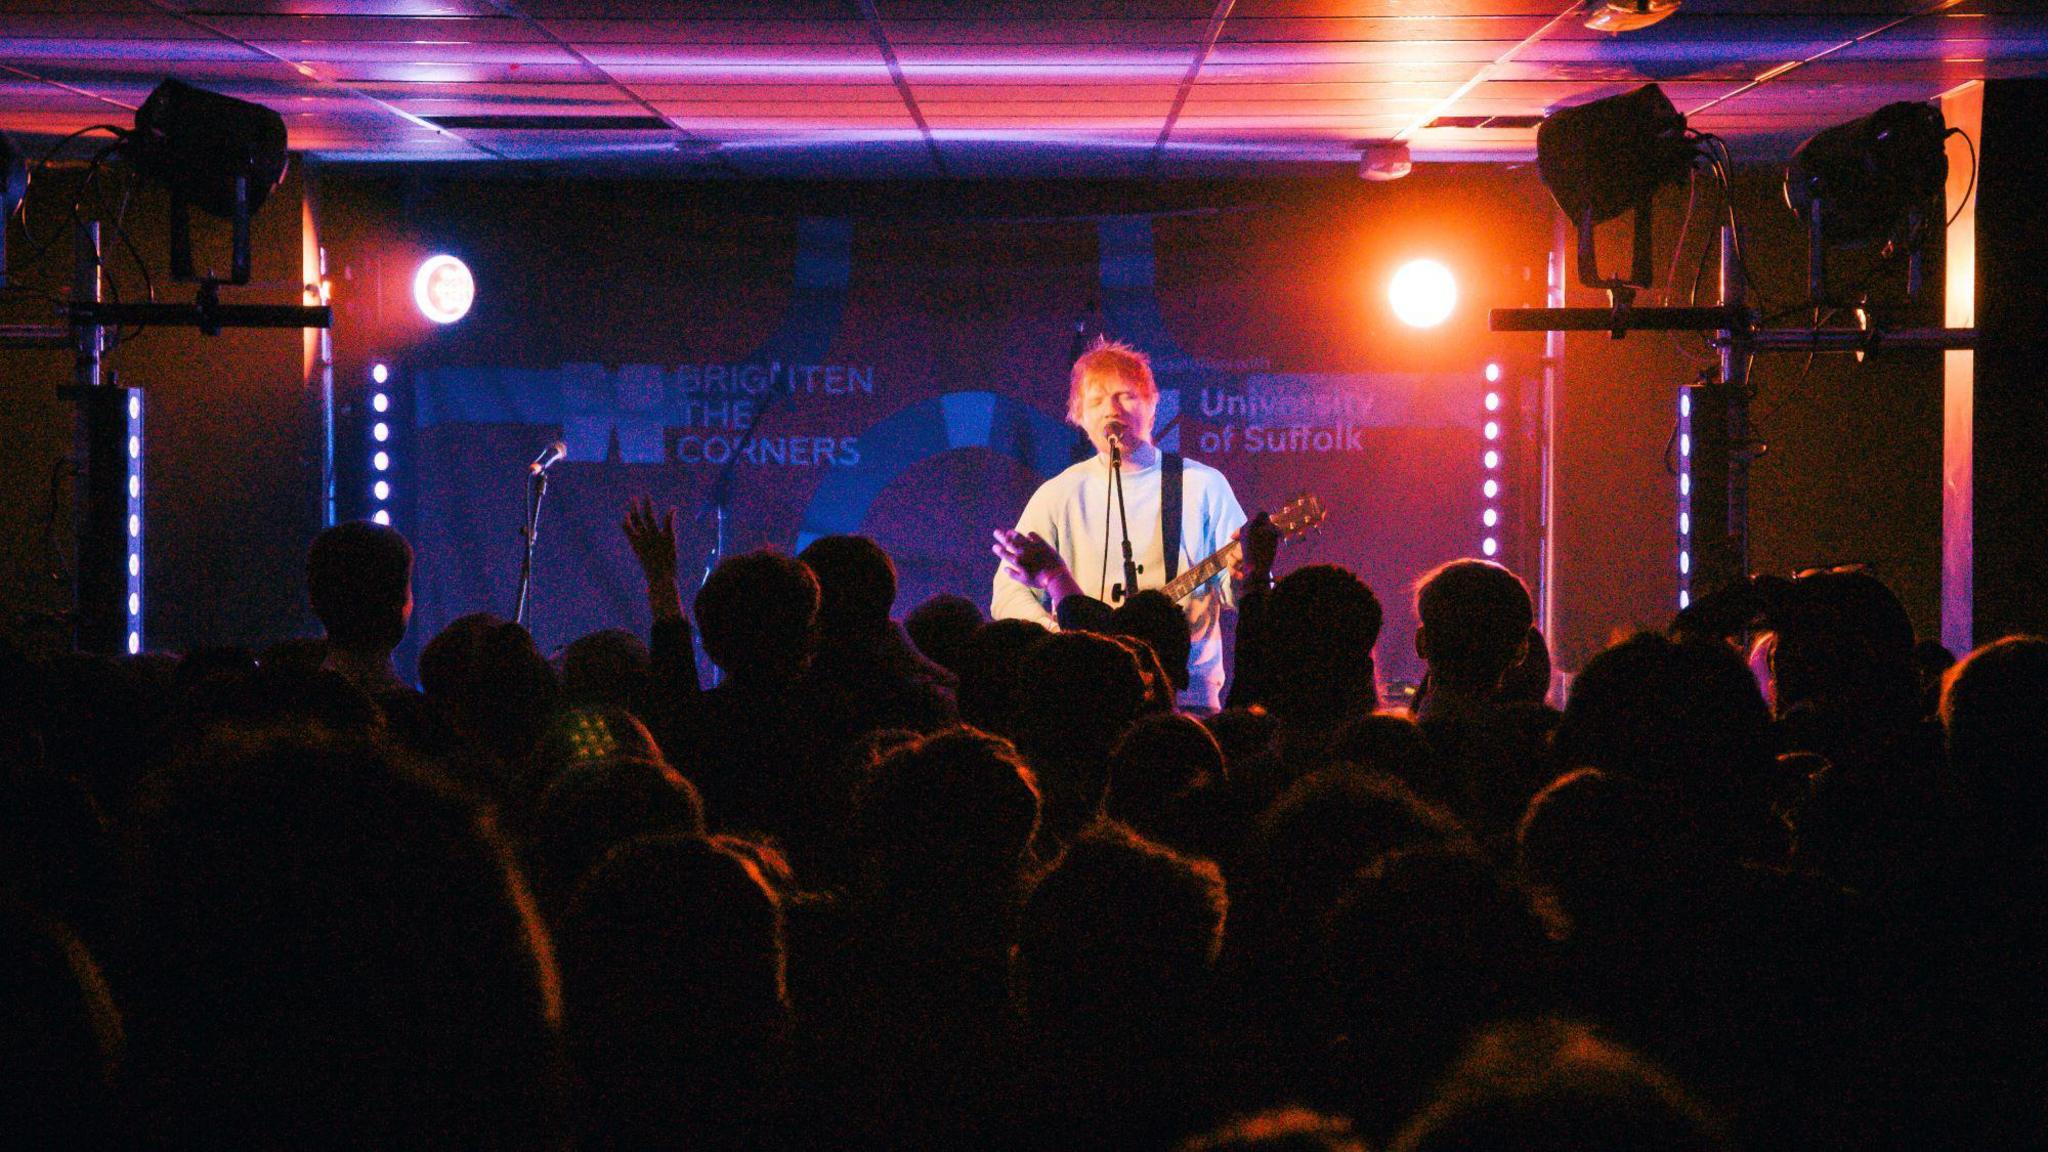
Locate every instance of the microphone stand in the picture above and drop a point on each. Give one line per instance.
(528, 532)
(1129, 587)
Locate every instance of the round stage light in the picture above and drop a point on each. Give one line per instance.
(379, 373)
(1491, 518)
(1492, 459)
(134, 604)
(382, 517)
(443, 289)
(1493, 401)
(134, 643)
(382, 461)
(1492, 373)
(381, 402)
(1423, 292)
(1489, 545)
(381, 431)
(1491, 488)
(1492, 430)
(382, 490)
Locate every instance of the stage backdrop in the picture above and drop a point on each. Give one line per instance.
(904, 376)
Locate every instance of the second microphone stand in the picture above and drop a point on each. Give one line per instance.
(535, 490)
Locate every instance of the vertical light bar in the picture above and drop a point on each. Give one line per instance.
(1684, 497)
(1490, 459)
(134, 520)
(381, 444)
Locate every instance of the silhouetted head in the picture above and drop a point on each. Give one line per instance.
(1080, 692)
(991, 673)
(856, 584)
(359, 579)
(1994, 708)
(1550, 1086)
(758, 615)
(606, 669)
(1320, 625)
(1122, 931)
(941, 628)
(493, 682)
(1843, 638)
(594, 807)
(1153, 617)
(1157, 769)
(1281, 1130)
(957, 810)
(1669, 713)
(1475, 617)
(341, 956)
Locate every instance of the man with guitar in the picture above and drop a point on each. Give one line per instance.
(1070, 539)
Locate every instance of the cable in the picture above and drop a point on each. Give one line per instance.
(1972, 145)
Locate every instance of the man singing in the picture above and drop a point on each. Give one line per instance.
(1112, 397)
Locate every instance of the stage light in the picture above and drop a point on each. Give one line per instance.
(379, 373)
(134, 525)
(1490, 518)
(1685, 523)
(1684, 484)
(1491, 488)
(1492, 459)
(221, 155)
(1489, 546)
(1684, 563)
(382, 517)
(134, 643)
(1492, 373)
(1685, 404)
(1493, 401)
(443, 289)
(134, 564)
(1870, 176)
(1608, 157)
(381, 461)
(381, 402)
(382, 490)
(1423, 293)
(134, 604)
(1493, 430)
(381, 431)
(1383, 160)
(135, 448)
(1685, 444)
(1684, 599)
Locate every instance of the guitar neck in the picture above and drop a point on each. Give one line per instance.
(1184, 585)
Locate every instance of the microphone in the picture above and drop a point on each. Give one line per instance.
(548, 458)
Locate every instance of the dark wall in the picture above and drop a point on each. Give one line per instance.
(232, 459)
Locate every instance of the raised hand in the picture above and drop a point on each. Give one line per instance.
(653, 539)
(1032, 562)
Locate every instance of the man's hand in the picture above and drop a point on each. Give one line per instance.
(1261, 542)
(1032, 562)
(654, 543)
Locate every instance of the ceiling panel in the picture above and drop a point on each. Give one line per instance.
(1056, 87)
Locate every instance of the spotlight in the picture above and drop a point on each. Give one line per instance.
(1874, 181)
(1423, 292)
(1608, 157)
(443, 289)
(219, 154)
(379, 373)
(1869, 175)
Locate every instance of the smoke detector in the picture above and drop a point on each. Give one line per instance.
(1626, 15)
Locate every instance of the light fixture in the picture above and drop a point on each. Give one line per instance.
(1626, 15)
(1423, 293)
(1383, 160)
(1876, 181)
(215, 153)
(443, 289)
(1608, 157)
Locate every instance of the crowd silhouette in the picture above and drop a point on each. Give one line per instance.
(952, 883)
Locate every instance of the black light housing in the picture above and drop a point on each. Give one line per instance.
(1608, 157)
(214, 152)
(1870, 175)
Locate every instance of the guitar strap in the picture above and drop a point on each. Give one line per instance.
(1169, 511)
